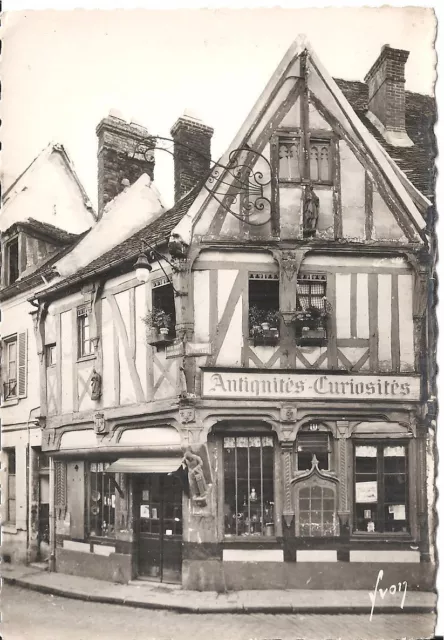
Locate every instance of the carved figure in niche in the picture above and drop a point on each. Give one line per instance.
(96, 385)
(198, 485)
(311, 211)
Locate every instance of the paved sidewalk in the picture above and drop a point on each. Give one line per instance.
(149, 595)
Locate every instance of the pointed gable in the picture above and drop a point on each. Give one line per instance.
(303, 140)
(49, 190)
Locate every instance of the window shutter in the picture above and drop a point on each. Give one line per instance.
(22, 358)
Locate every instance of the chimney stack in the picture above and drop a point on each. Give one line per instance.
(192, 153)
(386, 102)
(125, 152)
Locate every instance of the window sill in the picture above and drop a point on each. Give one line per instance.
(10, 402)
(102, 540)
(259, 540)
(358, 536)
(9, 527)
(92, 356)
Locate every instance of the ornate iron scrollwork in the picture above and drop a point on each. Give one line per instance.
(243, 185)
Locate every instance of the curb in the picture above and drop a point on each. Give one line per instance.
(239, 609)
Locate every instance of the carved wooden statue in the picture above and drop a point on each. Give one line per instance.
(311, 211)
(196, 477)
(96, 385)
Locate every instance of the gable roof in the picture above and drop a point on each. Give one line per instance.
(405, 165)
(418, 161)
(126, 253)
(47, 194)
(326, 91)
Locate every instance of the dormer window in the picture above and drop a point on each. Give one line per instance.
(12, 261)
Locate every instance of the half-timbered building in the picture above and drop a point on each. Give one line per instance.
(240, 396)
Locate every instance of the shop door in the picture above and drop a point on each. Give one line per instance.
(159, 514)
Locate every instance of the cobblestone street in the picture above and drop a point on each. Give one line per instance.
(35, 616)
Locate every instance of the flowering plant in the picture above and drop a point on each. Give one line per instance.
(157, 318)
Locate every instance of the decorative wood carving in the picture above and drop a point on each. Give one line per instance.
(101, 427)
(287, 454)
(95, 385)
(187, 415)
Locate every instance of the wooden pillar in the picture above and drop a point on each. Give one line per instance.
(289, 265)
(33, 504)
(344, 467)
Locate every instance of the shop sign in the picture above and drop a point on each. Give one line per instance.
(279, 385)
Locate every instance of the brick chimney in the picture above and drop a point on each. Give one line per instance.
(125, 152)
(192, 152)
(386, 91)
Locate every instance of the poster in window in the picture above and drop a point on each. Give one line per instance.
(366, 492)
(398, 511)
(144, 511)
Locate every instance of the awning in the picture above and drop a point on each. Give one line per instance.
(145, 465)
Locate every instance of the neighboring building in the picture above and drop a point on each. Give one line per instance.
(48, 190)
(287, 352)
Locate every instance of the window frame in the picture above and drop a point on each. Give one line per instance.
(320, 430)
(249, 537)
(51, 349)
(13, 240)
(7, 343)
(380, 444)
(83, 313)
(317, 138)
(11, 454)
(110, 479)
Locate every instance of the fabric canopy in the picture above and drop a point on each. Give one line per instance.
(145, 465)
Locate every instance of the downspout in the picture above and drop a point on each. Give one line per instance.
(28, 486)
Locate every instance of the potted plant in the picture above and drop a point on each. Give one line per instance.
(273, 318)
(310, 323)
(256, 317)
(159, 320)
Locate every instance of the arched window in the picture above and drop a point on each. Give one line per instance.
(313, 440)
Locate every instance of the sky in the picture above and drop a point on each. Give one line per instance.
(62, 71)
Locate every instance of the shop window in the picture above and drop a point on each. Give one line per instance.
(317, 514)
(50, 355)
(248, 485)
(10, 470)
(102, 488)
(84, 342)
(312, 309)
(381, 488)
(312, 442)
(263, 308)
(291, 163)
(12, 253)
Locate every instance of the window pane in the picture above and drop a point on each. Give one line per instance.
(289, 158)
(314, 171)
(248, 485)
(324, 164)
(102, 501)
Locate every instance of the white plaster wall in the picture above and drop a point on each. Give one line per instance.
(51, 196)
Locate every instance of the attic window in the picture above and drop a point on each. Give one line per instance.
(12, 249)
(291, 159)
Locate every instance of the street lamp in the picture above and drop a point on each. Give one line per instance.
(142, 268)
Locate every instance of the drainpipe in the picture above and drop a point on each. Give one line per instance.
(32, 490)
(52, 518)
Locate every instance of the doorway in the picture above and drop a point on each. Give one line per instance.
(159, 525)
